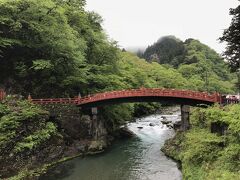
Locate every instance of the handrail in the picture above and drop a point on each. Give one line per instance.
(142, 92)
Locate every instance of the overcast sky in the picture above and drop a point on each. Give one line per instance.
(137, 23)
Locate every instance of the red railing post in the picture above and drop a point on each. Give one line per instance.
(2, 94)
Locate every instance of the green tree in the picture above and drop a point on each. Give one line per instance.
(41, 49)
(167, 50)
(232, 37)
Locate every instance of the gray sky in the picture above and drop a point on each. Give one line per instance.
(137, 23)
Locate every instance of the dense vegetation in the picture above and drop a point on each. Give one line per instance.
(15, 114)
(55, 48)
(206, 155)
(24, 129)
(195, 61)
(167, 50)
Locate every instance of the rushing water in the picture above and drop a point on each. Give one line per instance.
(137, 158)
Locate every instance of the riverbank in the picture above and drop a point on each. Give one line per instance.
(40, 140)
(137, 158)
(34, 138)
(122, 135)
(210, 149)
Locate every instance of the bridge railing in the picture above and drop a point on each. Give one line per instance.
(154, 92)
(55, 101)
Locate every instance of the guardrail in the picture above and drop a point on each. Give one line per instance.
(142, 92)
(216, 97)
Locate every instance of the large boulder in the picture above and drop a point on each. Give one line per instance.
(165, 122)
(124, 132)
(177, 125)
(97, 146)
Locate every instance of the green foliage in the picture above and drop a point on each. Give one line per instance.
(233, 118)
(228, 157)
(200, 146)
(41, 64)
(52, 40)
(138, 73)
(206, 155)
(229, 115)
(4, 109)
(19, 116)
(205, 68)
(142, 109)
(195, 148)
(222, 174)
(172, 147)
(15, 113)
(231, 37)
(201, 66)
(34, 140)
(39, 36)
(167, 50)
(206, 59)
(117, 115)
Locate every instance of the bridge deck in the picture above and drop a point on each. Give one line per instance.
(133, 93)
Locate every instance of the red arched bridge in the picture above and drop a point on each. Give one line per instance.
(169, 96)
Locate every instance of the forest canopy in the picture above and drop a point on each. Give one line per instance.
(55, 48)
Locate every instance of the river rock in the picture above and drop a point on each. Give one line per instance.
(170, 126)
(139, 127)
(97, 145)
(163, 117)
(125, 132)
(177, 125)
(151, 124)
(81, 147)
(165, 122)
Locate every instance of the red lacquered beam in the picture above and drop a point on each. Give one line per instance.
(134, 93)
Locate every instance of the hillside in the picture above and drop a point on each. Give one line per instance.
(210, 149)
(196, 62)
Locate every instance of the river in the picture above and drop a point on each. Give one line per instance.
(138, 158)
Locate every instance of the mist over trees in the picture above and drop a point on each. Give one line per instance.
(197, 62)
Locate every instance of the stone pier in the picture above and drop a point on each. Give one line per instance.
(94, 124)
(185, 115)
